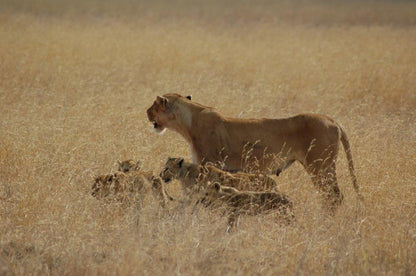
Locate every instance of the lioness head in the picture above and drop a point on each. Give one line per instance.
(128, 165)
(160, 113)
(172, 168)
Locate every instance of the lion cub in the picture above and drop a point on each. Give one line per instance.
(158, 186)
(159, 191)
(129, 185)
(246, 202)
(120, 187)
(129, 165)
(192, 176)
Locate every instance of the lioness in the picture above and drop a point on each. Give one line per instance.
(247, 202)
(192, 176)
(274, 144)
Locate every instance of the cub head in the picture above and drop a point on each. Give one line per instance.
(107, 184)
(211, 193)
(172, 168)
(157, 183)
(129, 165)
(102, 184)
(161, 112)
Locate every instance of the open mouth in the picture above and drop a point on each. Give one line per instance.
(158, 128)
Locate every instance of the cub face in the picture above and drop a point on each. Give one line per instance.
(104, 185)
(211, 193)
(172, 168)
(129, 165)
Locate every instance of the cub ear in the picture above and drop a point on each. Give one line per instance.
(162, 101)
(180, 162)
(217, 186)
(189, 97)
(138, 165)
(118, 162)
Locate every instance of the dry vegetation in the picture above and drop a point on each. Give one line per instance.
(77, 76)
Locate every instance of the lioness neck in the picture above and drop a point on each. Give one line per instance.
(183, 119)
(186, 115)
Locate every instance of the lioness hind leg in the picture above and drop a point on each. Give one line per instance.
(325, 180)
(320, 164)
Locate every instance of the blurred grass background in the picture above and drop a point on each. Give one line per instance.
(77, 76)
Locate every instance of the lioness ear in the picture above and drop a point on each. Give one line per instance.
(217, 186)
(118, 162)
(162, 101)
(189, 97)
(138, 165)
(180, 163)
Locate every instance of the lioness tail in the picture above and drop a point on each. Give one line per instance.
(346, 144)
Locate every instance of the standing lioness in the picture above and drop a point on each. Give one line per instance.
(274, 144)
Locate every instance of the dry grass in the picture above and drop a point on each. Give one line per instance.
(77, 76)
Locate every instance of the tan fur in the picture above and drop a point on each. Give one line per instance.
(159, 191)
(246, 202)
(120, 187)
(271, 144)
(129, 165)
(128, 188)
(192, 176)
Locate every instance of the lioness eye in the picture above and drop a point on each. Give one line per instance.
(206, 194)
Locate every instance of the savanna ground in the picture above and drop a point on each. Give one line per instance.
(77, 76)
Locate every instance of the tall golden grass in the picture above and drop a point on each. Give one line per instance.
(77, 76)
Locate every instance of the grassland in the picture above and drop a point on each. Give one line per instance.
(77, 76)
